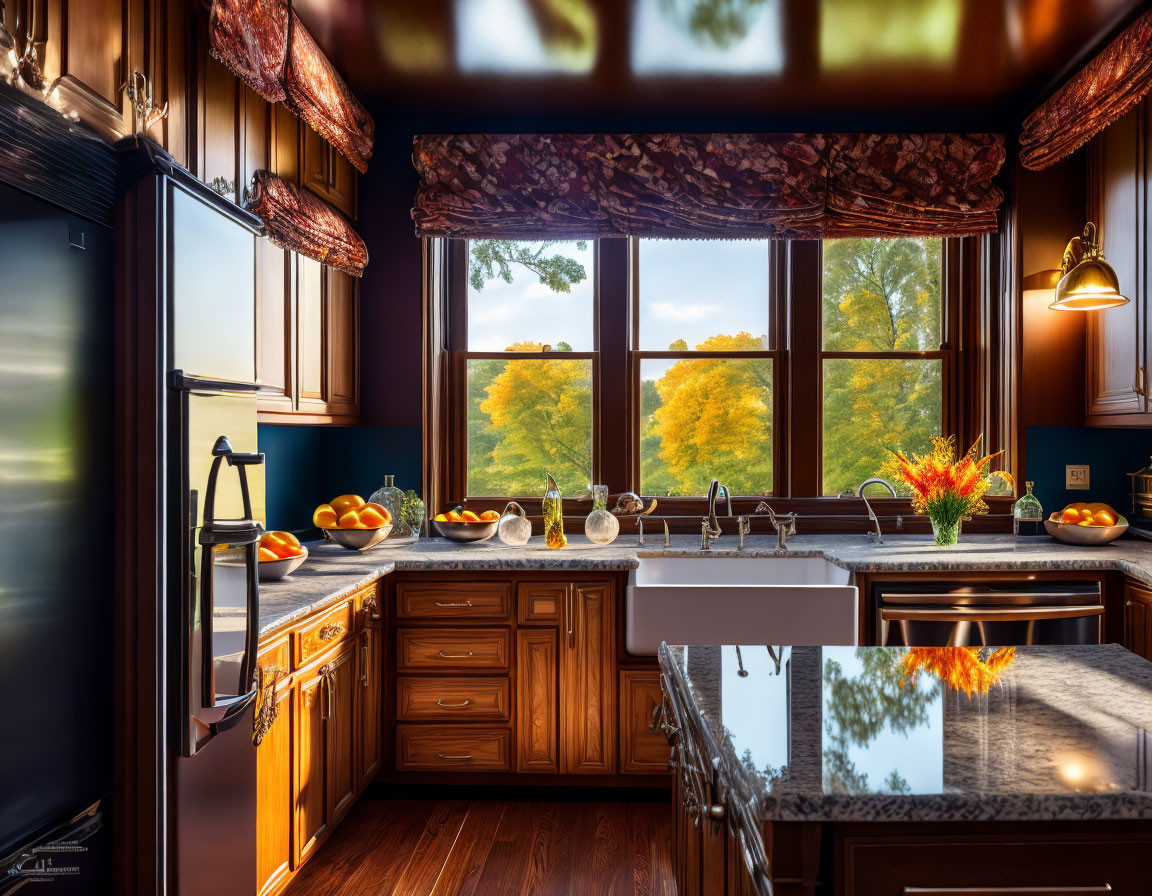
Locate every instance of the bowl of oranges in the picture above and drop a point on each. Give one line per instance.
(466, 526)
(1086, 524)
(352, 522)
(279, 554)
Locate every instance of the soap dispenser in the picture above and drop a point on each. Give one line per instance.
(1027, 514)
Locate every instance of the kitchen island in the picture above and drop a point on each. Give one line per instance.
(864, 771)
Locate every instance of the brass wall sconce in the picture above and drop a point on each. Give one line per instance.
(1087, 282)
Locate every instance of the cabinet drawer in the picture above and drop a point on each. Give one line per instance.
(452, 649)
(331, 629)
(541, 603)
(459, 748)
(420, 699)
(454, 600)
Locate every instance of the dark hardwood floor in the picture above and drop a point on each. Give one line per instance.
(485, 847)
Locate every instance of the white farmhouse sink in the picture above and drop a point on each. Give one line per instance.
(732, 600)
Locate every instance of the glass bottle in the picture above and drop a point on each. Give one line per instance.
(1027, 514)
(601, 527)
(392, 499)
(553, 507)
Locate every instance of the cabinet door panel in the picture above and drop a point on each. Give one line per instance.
(274, 327)
(1138, 620)
(540, 603)
(641, 751)
(86, 45)
(588, 717)
(311, 767)
(371, 701)
(256, 150)
(1115, 336)
(310, 336)
(537, 713)
(286, 144)
(343, 326)
(220, 116)
(340, 734)
(342, 184)
(274, 797)
(314, 161)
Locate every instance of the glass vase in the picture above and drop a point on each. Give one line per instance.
(553, 507)
(601, 527)
(392, 499)
(946, 531)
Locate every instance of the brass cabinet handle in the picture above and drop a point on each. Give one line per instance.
(460, 705)
(457, 757)
(455, 656)
(452, 603)
(569, 613)
(365, 640)
(370, 609)
(328, 696)
(331, 630)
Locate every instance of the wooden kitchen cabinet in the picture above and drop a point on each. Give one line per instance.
(642, 751)
(275, 329)
(370, 716)
(537, 706)
(1117, 339)
(1138, 618)
(310, 808)
(274, 855)
(327, 173)
(221, 125)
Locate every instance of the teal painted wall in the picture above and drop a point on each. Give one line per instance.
(308, 465)
(1111, 454)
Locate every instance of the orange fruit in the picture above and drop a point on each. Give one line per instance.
(282, 544)
(265, 554)
(1104, 518)
(489, 516)
(350, 519)
(1084, 523)
(1070, 515)
(441, 518)
(371, 517)
(346, 502)
(470, 517)
(455, 517)
(324, 517)
(380, 509)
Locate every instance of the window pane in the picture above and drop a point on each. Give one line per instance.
(524, 295)
(873, 407)
(881, 295)
(706, 419)
(704, 294)
(527, 418)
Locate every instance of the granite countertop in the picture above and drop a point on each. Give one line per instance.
(845, 734)
(332, 572)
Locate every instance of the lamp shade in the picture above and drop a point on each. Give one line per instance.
(1091, 285)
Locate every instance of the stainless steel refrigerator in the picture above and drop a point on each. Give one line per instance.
(202, 272)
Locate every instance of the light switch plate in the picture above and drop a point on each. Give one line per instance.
(1076, 477)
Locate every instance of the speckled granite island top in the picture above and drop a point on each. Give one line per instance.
(331, 572)
(848, 734)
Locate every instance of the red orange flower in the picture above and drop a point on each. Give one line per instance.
(961, 668)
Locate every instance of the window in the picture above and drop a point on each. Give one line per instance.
(783, 369)
(529, 367)
(702, 346)
(882, 358)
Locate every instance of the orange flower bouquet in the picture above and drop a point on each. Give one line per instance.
(945, 487)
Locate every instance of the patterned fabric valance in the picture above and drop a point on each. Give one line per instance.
(1099, 94)
(265, 44)
(525, 186)
(299, 220)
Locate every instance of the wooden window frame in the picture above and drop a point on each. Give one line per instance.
(976, 326)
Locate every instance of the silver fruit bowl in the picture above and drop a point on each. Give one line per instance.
(271, 570)
(357, 539)
(467, 532)
(1072, 533)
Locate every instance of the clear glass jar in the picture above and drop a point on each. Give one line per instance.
(601, 527)
(1027, 514)
(391, 499)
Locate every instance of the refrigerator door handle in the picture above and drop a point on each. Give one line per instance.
(182, 382)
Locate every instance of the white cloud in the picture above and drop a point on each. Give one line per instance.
(492, 313)
(681, 313)
(537, 290)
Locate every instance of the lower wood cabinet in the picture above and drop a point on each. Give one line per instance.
(322, 737)
(643, 750)
(1138, 618)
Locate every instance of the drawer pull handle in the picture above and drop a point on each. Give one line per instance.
(453, 603)
(457, 757)
(460, 705)
(455, 656)
(331, 630)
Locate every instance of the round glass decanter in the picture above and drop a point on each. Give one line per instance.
(391, 499)
(601, 527)
(1027, 514)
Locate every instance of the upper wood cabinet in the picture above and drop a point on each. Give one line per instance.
(1117, 339)
(327, 173)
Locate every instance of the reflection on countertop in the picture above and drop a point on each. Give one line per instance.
(859, 734)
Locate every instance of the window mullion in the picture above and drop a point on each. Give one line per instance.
(805, 376)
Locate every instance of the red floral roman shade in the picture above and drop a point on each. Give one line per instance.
(300, 221)
(250, 37)
(706, 185)
(1099, 94)
(321, 98)
(266, 45)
